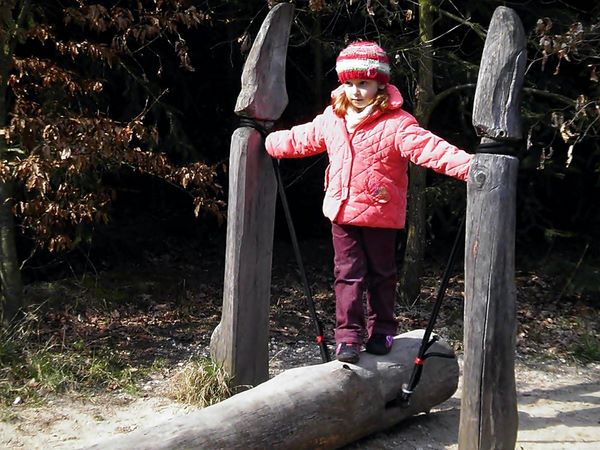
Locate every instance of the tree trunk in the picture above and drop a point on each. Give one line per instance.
(412, 268)
(10, 274)
(325, 406)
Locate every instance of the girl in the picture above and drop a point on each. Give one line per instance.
(370, 140)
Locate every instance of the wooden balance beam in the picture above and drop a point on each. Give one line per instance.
(323, 406)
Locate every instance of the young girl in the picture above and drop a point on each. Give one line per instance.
(370, 140)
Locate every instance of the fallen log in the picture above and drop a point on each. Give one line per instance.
(324, 406)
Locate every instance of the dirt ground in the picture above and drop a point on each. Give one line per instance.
(558, 401)
(559, 408)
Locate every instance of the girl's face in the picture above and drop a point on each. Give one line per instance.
(361, 92)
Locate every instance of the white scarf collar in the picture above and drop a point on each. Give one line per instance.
(354, 118)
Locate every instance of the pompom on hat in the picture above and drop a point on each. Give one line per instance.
(363, 60)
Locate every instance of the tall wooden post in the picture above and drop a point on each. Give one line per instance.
(240, 341)
(488, 418)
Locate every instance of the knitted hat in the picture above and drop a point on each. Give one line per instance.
(363, 60)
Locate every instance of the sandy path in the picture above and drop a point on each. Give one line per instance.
(559, 408)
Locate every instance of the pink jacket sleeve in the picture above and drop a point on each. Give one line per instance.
(299, 141)
(424, 148)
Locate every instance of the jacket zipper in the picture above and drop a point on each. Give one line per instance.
(369, 118)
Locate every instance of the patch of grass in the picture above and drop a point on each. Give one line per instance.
(30, 369)
(587, 348)
(71, 369)
(201, 382)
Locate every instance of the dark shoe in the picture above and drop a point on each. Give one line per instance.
(380, 344)
(347, 352)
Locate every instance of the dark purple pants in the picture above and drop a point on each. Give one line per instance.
(364, 261)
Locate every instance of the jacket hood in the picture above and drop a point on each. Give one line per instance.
(396, 100)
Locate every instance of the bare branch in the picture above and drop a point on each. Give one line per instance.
(558, 97)
(445, 94)
(481, 32)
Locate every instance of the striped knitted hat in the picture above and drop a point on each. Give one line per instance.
(363, 60)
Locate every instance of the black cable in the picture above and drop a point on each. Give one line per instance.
(426, 342)
(251, 123)
(497, 148)
(320, 339)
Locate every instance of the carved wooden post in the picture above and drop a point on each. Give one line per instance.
(488, 418)
(240, 341)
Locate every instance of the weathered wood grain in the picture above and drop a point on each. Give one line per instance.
(496, 108)
(324, 406)
(240, 341)
(488, 418)
(263, 95)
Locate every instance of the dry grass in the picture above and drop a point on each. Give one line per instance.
(201, 382)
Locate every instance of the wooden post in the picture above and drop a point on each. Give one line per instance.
(325, 406)
(240, 341)
(488, 418)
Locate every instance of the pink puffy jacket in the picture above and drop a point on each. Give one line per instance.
(366, 180)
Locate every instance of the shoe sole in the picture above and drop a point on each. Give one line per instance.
(377, 352)
(349, 359)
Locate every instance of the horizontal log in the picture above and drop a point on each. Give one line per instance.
(324, 406)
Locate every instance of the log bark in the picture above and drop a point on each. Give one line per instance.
(240, 341)
(489, 417)
(324, 406)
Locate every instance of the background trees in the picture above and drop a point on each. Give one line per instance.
(81, 97)
(436, 47)
(102, 102)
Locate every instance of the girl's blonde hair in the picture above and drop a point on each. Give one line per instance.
(340, 103)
